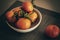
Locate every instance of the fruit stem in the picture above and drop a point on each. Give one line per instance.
(32, 1)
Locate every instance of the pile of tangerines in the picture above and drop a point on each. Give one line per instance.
(24, 16)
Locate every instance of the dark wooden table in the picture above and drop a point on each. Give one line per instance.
(49, 17)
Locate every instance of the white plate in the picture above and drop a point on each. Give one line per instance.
(34, 26)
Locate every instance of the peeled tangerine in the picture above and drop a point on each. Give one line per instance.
(9, 16)
(27, 6)
(33, 16)
(52, 31)
(23, 23)
(16, 9)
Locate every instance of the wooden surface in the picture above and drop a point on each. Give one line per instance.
(49, 17)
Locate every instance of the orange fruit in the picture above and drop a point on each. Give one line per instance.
(9, 16)
(23, 23)
(16, 9)
(27, 6)
(52, 31)
(33, 16)
(59, 30)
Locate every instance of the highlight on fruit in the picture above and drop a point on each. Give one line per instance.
(52, 31)
(23, 16)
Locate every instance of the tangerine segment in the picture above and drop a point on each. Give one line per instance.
(16, 9)
(33, 16)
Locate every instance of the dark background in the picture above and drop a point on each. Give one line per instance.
(53, 5)
(49, 17)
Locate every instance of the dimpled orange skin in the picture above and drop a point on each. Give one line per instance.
(52, 31)
(23, 23)
(59, 31)
(27, 6)
(9, 16)
(33, 16)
